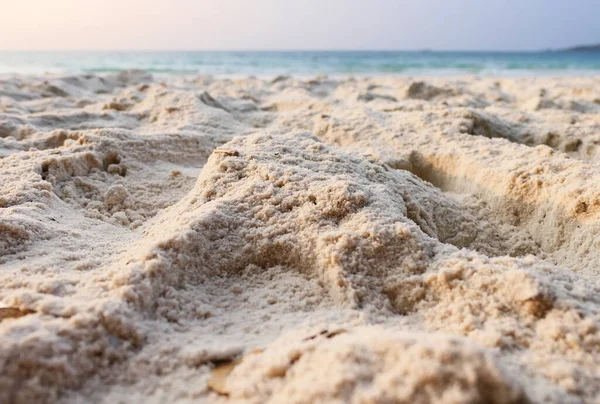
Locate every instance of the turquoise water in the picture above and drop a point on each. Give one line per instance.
(305, 62)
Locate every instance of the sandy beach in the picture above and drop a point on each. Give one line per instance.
(299, 240)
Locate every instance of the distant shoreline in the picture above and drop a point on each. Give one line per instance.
(581, 48)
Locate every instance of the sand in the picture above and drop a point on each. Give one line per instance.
(363, 240)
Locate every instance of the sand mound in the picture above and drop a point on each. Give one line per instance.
(421, 246)
(371, 365)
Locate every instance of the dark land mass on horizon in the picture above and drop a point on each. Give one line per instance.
(581, 48)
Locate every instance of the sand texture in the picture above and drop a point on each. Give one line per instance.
(356, 240)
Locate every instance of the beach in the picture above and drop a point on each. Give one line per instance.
(189, 238)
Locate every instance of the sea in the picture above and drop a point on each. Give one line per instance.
(304, 63)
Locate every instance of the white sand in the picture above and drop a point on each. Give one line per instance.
(355, 240)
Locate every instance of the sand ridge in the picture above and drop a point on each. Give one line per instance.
(424, 240)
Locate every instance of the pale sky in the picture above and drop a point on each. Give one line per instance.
(297, 24)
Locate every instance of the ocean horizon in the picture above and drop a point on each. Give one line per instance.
(270, 63)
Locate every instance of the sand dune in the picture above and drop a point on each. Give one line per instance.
(344, 240)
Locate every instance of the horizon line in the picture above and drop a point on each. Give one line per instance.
(424, 50)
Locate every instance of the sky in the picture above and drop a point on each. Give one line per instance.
(297, 24)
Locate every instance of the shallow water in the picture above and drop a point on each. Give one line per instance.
(305, 62)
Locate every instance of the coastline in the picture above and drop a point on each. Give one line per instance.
(262, 63)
